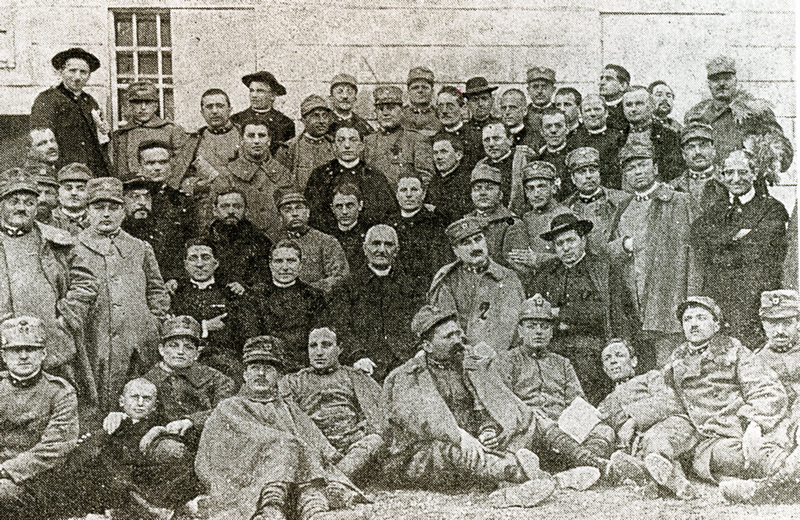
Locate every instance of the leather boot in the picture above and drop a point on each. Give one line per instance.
(558, 441)
(779, 486)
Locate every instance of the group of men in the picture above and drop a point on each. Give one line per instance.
(243, 322)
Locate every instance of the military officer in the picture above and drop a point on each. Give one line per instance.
(541, 87)
(42, 152)
(420, 113)
(487, 199)
(701, 179)
(264, 88)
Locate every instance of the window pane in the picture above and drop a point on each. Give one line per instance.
(165, 36)
(146, 30)
(124, 63)
(166, 63)
(124, 29)
(169, 105)
(148, 63)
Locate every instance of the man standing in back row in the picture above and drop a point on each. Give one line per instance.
(264, 88)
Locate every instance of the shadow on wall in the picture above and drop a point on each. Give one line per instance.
(13, 141)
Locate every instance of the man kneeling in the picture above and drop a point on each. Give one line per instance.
(260, 456)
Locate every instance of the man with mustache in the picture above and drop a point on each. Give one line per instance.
(702, 178)
(42, 152)
(487, 199)
(122, 334)
(728, 398)
(372, 311)
(48, 198)
(663, 99)
(70, 215)
(344, 90)
(732, 112)
(314, 147)
(450, 105)
(741, 243)
(481, 292)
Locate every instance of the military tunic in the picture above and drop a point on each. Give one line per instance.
(420, 119)
(73, 225)
(125, 144)
(558, 159)
(305, 154)
(599, 208)
(397, 152)
(645, 398)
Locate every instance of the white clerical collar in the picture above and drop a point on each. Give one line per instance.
(409, 214)
(260, 111)
(346, 228)
(282, 285)
(203, 285)
(341, 117)
(379, 272)
(614, 103)
(596, 132)
(556, 150)
(646, 193)
(349, 165)
(744, 199)
(312, 138)
(708, 172)
(573, 127)
(455, 128)
(517, 129)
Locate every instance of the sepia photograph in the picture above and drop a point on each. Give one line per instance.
(398, 260)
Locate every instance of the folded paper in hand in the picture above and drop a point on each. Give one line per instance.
(578, 419)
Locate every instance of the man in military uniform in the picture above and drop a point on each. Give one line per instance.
(344, 90)
(314, 147)
(39, 414)
(48, 198)
(555, 149)
(541, 87)
(449, 109)
(42, 152)
(395, 149)
(741, 243)
(483, 293)
(449, 189)
(523, 248)
(371, 312)
(701, 179)
(144, 124)
(614, 82)
(72, 114)
(264, 88)
(487, 199)
(728, 398)
(663, 99)
(595, 133)
(420, 114)
(70, 215)
(592, 201)
(348, 167)
(480, 101)
(732, 112)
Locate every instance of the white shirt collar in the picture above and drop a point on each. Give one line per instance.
(348, 228)
(517, 129)
(598, 131)
(613, 103)
(203, 285)
(379, 272)
(455, 128)
(276, 283)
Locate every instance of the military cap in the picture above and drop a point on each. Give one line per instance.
(16, 180)
(539, 170)
(544, 73)
(263, 349)
(484, 172)
(720, 65)
(388, 95)
(24, 331)
(344, 79)
(147, 144)
(74, 172)
(312, 103)
(476, 86)
(265, 77)
(288, 194)
(428, 317)
(696, 130)
(104, 188)
(783, 303)
(565, 222)
(420, 73)
(737, 160)
(181, 326)
(702, 301)
(142, 91)
(635, 151)
(580, 157)
(536, 308)
(464, 228)
(46, 179)
(60, 59)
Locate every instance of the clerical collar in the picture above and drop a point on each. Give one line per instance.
(517, 129)
(407, 214)
(556, 150)
(744, 199)
(576, 262)
(379, 272)
(349, 165)
(596, 131)
(455, 128)
(343, 117)
(79, 215)
(477, 269)
(27, 382)
(346, 228)
(708, 172)
(259, 110)
(614, 102)
(573, 127)
(503, 158)
(645, 195)
(542, 107)
(203, 285)
(312, 138)
(14, 232)
(219, 131)
(588, 199)
(282, 285)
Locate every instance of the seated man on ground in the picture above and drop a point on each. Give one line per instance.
(260, 456)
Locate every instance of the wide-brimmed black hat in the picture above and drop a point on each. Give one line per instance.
(140, 183)
(61, 58)
(265, 77)
(565, 222)
(476, 86)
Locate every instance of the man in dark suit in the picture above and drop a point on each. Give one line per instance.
(595, 133)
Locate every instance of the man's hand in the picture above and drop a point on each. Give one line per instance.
(627, 432)
(171, 285)
(236, 288)
(179, 427)
(627, 244)
(524, 257)
(215, 323)
(113, 420)
(489, 439)
(366, 365)
(751, 441)
(473, 450)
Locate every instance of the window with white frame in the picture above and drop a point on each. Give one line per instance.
(143, 51)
